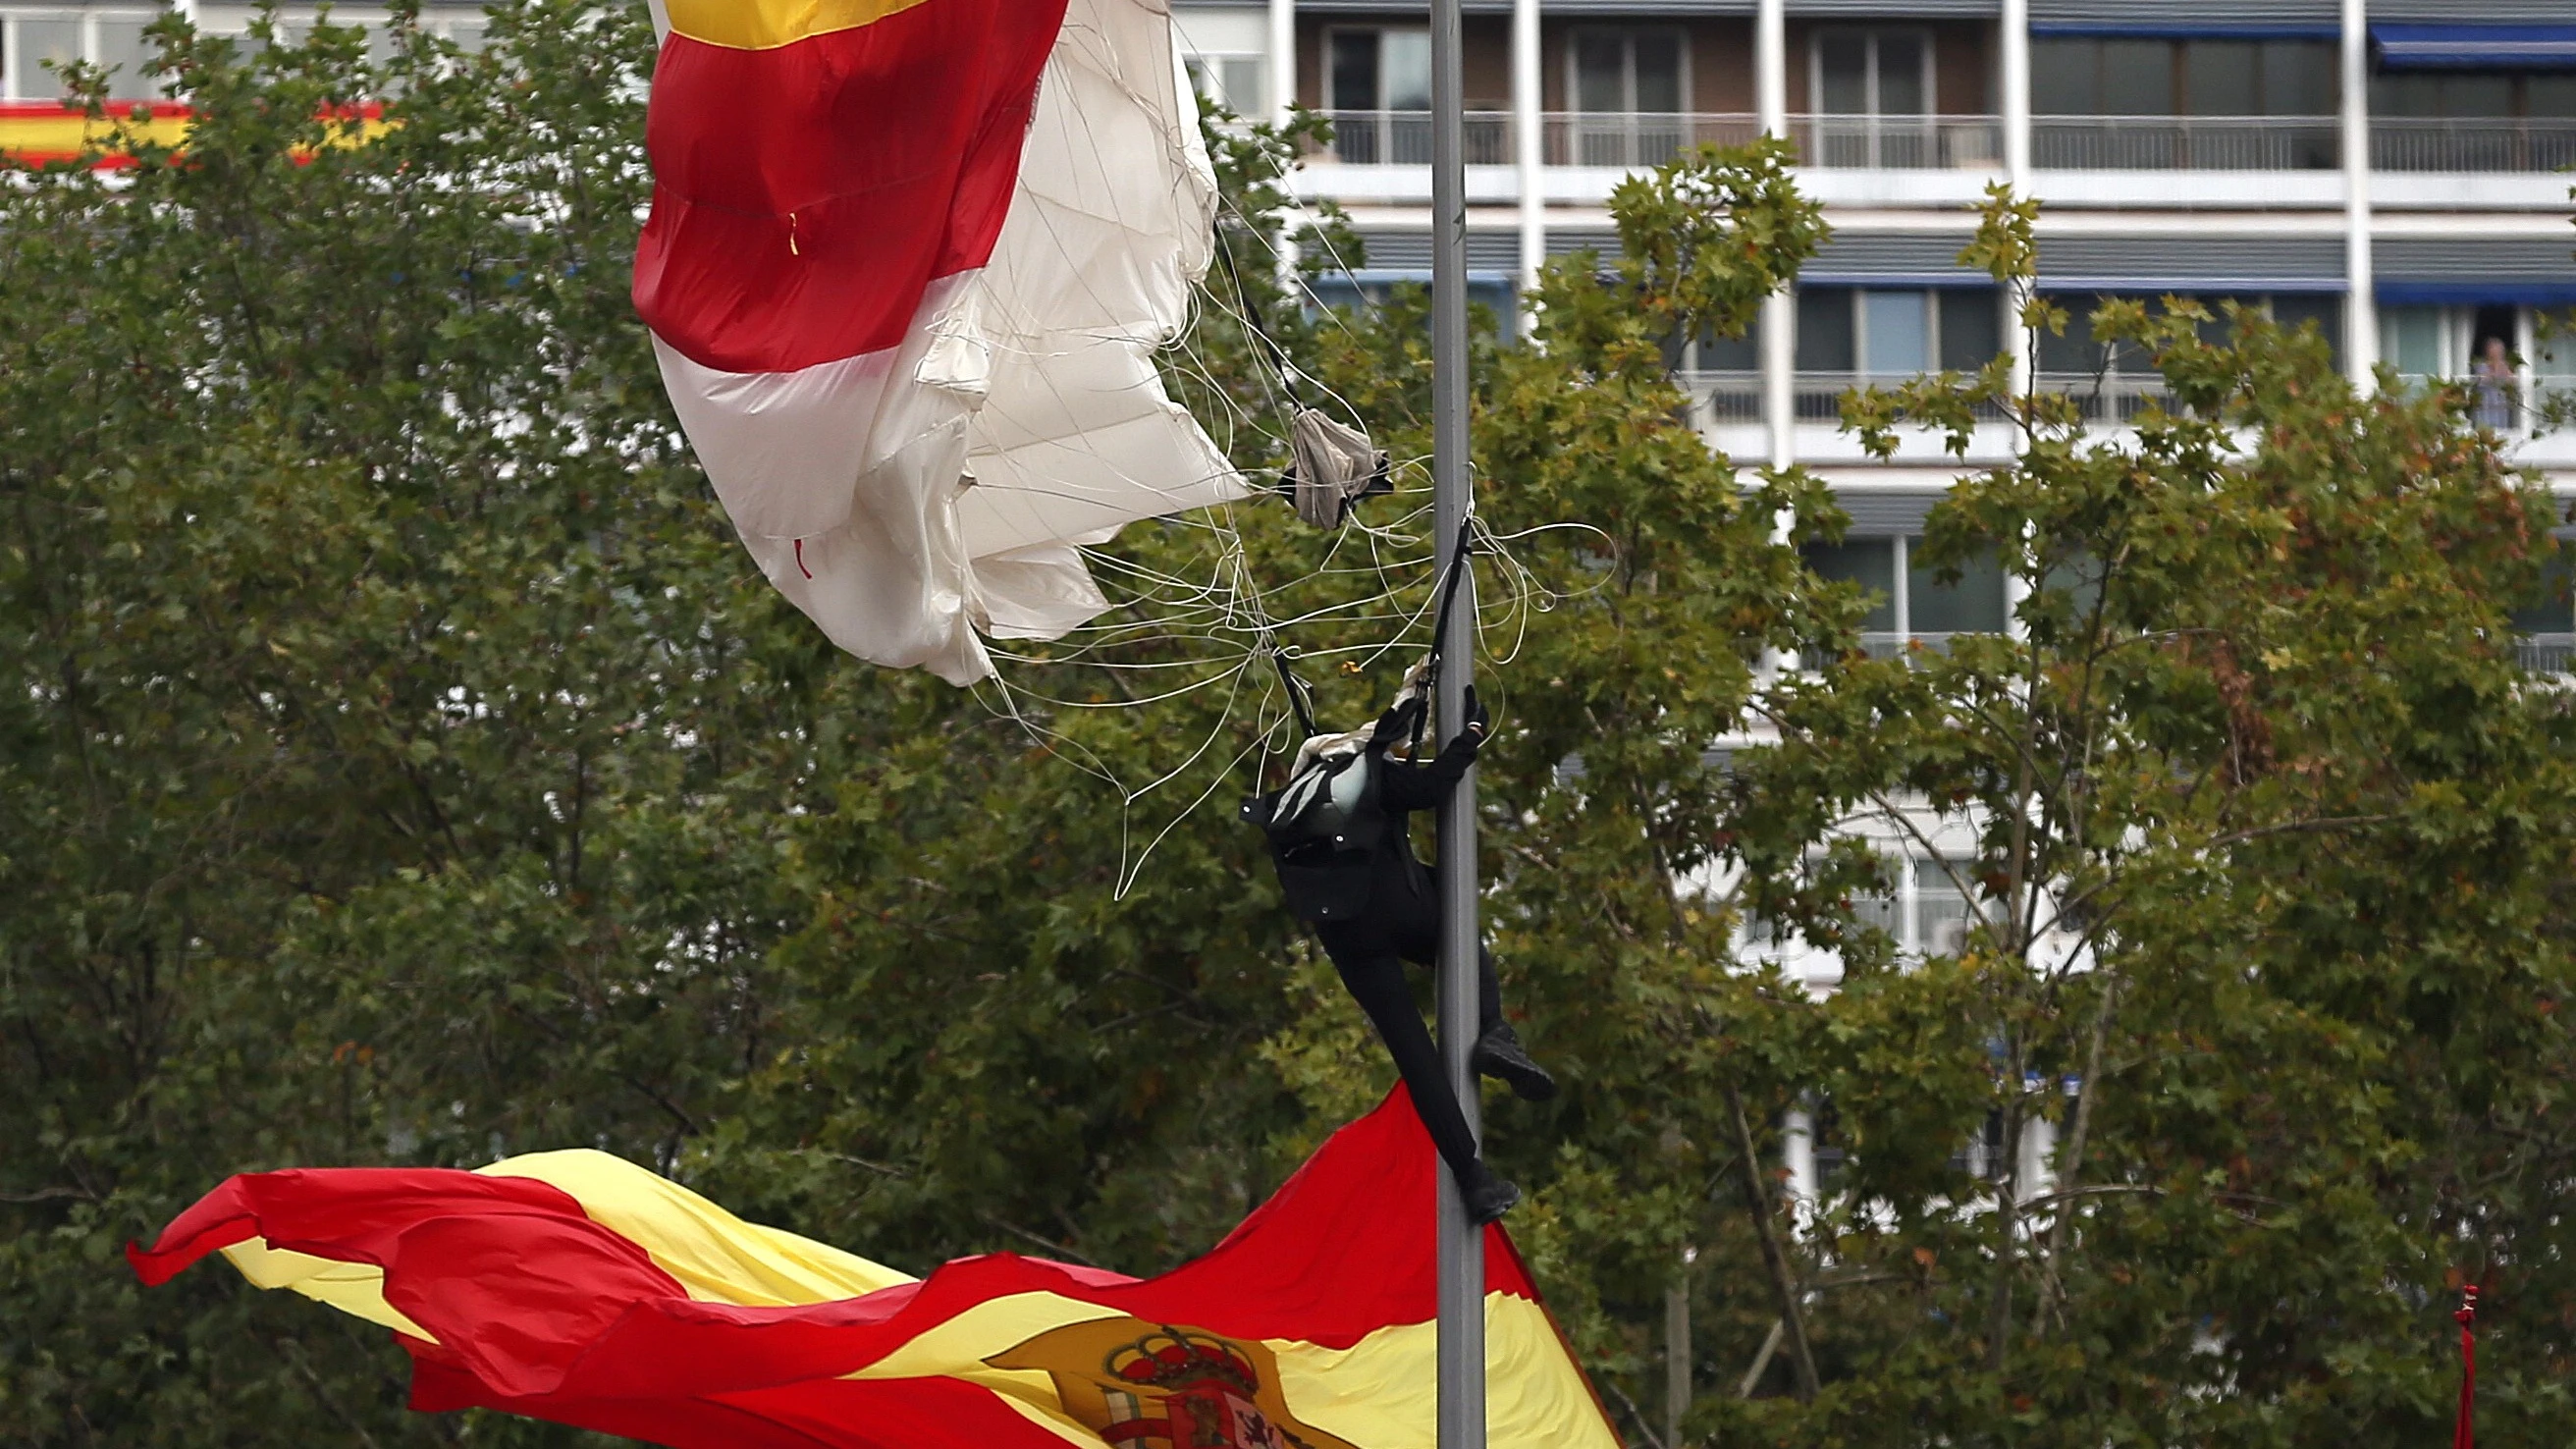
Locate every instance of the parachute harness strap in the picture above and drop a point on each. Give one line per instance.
(1458, 564)
(1300, 698)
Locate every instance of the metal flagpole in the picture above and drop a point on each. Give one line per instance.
(1462, 1245)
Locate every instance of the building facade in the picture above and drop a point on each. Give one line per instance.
(2395, 171)
(32, 36)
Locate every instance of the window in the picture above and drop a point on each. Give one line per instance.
(1724, 375)
(32, 40)
(1233, 82)
(1381, 70)
(2435, 94)
(112, 39)
(1380, 95)
(1744, 354)
(1890, 333)
(1226, 49)
(2475, 345)
(1627, 83)
(2257, 78)
(1495, 298)
(2135, 79)
(2421, 342)
(1923, 907)
(2082, 75)
(117, 42)
(2546, 618)
(2473, 121)
(1895, 335)
(2553, 364)
(1873, 73)
(1627, 70)
(2447, 342)
(2071, 361)
(1873, 98)
(1910, 602)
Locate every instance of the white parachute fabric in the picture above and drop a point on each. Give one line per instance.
(911, 498)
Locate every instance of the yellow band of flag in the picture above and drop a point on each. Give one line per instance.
(769, 24)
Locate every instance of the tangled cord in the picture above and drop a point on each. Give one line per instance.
(1218, 626)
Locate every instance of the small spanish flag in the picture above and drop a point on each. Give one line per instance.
(577, 1287)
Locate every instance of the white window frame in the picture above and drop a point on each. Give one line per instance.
(1377, 102)
(1860, 338)
(9, 47)
(1931, 69)
(1630, 35)
(1210, 64)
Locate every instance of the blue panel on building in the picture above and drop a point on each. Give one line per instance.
(2475, 47)
(2501, 292)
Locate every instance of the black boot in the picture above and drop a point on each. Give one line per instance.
(1498, 1055)
(1488, 1197)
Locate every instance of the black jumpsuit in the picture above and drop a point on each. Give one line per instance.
(1400, 922)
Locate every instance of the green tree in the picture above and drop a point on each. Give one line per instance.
(2265, 827)
(413, 770)
(402, 750)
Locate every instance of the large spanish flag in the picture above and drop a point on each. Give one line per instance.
(907, 266)
(576, 1287)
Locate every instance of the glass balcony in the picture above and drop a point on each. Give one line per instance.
(2185, 143)
(2502, 143)
(1899, 143)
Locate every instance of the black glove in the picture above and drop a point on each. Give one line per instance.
(1479, 724)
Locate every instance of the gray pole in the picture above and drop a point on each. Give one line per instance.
(1462, 1245)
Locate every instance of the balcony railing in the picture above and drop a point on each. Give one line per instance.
(1403, 138)
(1626, 139)
(1817, 397)
(1725, 397)
(2547, 653)
(2504, 143)
(2508, 405)
(1899, 143)
(2185, 143)
(1888, 644)
(2111, 400)
(1639, 138)
(1568, 138)
(1924, 143)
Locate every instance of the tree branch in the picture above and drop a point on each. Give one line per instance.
(1801, 1357)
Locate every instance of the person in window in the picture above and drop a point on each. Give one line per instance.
(2496, 385)
(1339, 835)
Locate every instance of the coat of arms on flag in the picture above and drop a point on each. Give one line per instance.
(1157, 1386)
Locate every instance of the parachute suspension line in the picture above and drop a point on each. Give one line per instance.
(1225, 620)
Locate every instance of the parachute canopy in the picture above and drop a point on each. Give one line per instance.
(906, 268)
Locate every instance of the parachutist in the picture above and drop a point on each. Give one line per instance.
(1340, 838)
